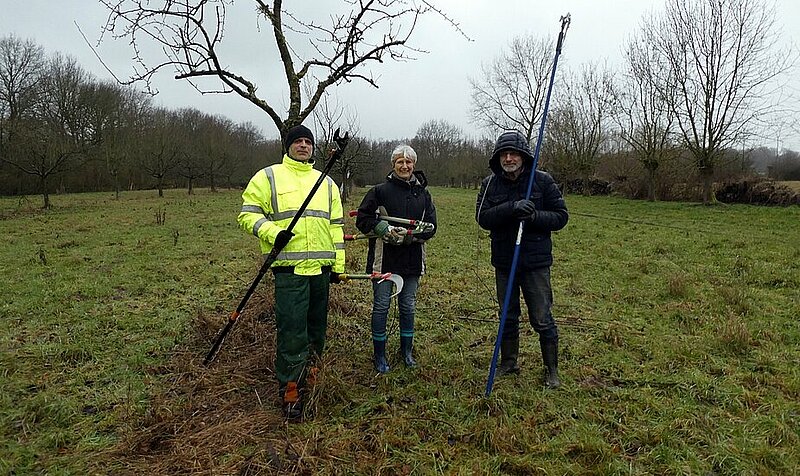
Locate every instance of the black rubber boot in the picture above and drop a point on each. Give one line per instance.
(509, 351)
(379, 357)
(550, 359)
(406, 346)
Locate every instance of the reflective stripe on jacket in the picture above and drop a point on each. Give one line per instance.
(270, 202)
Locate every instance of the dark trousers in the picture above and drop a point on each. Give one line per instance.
(538, 295)
(301, 318)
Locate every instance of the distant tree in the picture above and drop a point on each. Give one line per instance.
(21, 65)
(787, 166)
(378, 154)
(437, 143)
(193, 130)
(250, 152)
(473, 161)
(56, 137)
(219, 143)
(512, 90)
(160, 153)
(578, 128)
(321, 53)
(718, 64)
(115, 114)
(642, 115)
(328, 116)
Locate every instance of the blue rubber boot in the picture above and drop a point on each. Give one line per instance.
(379, 357)
(406, 345)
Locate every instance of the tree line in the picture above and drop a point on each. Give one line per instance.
(684, 112)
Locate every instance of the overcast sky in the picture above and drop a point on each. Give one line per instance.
(435, 86)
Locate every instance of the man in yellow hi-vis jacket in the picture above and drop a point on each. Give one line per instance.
(311, 260)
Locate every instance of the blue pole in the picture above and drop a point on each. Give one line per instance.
(514, 261)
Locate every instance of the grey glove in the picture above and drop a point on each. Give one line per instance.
(523, 208)
(395, 235)
(381, 229)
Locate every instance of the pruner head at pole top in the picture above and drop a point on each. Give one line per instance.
(565, 21)
(341, 141)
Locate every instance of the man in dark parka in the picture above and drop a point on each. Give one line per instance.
(501, 205)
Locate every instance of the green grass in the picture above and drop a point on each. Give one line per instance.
(679, 330)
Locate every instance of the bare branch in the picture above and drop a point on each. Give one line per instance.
(189, 34)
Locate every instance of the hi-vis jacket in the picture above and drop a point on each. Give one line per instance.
(271, 200)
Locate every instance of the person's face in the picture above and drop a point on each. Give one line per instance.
(510, 161)
(301, 149)
(403, 167)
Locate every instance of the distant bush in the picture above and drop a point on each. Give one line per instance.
(757, 191)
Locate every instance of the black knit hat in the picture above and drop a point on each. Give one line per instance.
(297, 132)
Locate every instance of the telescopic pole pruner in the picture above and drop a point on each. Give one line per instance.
(336, 153)
(565, 20)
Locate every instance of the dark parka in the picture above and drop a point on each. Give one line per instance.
(495, 203)
(401, 199)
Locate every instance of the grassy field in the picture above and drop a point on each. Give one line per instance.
(794, 185)
(679, 330)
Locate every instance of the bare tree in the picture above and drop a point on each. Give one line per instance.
(512, 91)
(191, 32)
(218, 142)
(578, 128)
(56, 136)
(21, 65)
(643, 117)
(329, 115)
(115, 116)
(160, 152)
(720, 66)
(436, 144)
(473, 161)
(193, 131)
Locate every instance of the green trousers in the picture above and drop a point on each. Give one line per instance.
(301, 315)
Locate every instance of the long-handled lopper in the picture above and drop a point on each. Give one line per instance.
(336, 153)
(565, 20)
(418, 225)
(381, 277)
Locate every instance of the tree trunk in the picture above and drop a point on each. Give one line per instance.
(45, 193)
(707, 181)
(115, 176)
(651, 184)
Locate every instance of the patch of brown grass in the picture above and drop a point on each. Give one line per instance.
(207, 417)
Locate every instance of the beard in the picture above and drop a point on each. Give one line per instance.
(511, 168)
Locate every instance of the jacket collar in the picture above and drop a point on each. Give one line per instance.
(296, 165)
(417, 178)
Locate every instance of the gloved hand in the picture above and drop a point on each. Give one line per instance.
(381, 229)
(335, 278)
(396, 235)
(283, 237)
(523, 208)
